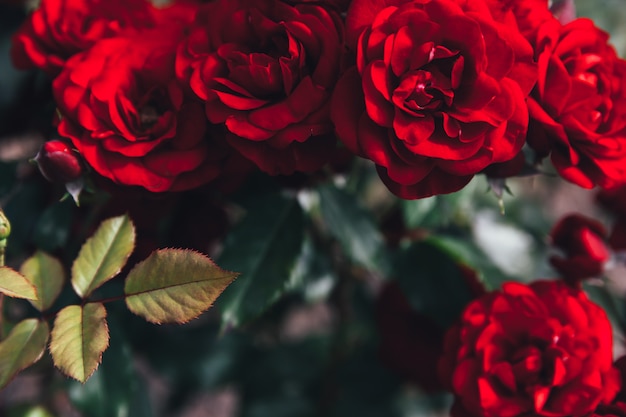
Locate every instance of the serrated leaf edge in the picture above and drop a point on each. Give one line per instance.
(90, 289)
(12, 294)
(17, 371)
(127, 295)
(82, 346)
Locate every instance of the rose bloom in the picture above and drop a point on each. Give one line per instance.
(541, 349)
(438, 92)
(528, 15)
(124, 111)
(266, 70)
(59, 29)
(582, 241)
(578, 108)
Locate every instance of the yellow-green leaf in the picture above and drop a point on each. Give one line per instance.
(23, 347)
(174, 285)
(79, 336)
(46, 273)
(103, 255)
(16, 285)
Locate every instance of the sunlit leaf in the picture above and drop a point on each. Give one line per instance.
(103, 255)
(16, 285)
(115, 388)
(79, 336)
(174, 285)
(47, 275)
(23, 347)
(264, 248)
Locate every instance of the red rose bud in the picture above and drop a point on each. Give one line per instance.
(58, 163)
(582, 241)
(542, 349)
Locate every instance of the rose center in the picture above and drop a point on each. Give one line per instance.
(423, 91)
(148, 117)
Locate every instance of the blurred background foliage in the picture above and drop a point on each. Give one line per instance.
(297, 335)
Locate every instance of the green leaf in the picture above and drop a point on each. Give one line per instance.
(415, 212)
(47, 275)
(103, 255)
(263, 248)
(23, 347)
(353, 226)
(433, 282)
(466, 251)
(174, 285)
(16, 285)
(115, 389)
(79, 336)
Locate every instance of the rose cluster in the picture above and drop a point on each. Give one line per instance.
(432, 91)
(171, 98)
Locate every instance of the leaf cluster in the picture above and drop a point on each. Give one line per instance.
(170, 286)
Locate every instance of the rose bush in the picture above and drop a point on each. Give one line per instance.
(124, 111)
(541, 349)
(578, 108)
(266, 71)
(437, 94)
(583, 242)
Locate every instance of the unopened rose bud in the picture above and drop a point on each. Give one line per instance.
(582, 241)
(58, 163)
(5, 227)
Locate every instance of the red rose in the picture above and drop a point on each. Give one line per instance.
(578, 108)
(541, 349)
(59, 29)
(266, 70)
(582, 241)
(528, 15)
(438, 93)
(124, 111)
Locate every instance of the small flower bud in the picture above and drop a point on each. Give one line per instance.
(582, 241)
(58, 163)
(5, 227)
